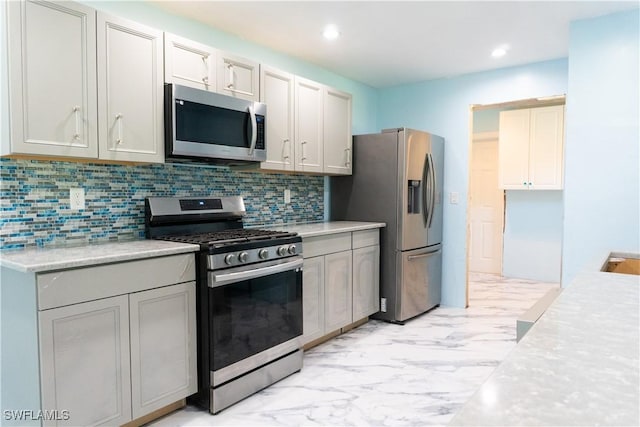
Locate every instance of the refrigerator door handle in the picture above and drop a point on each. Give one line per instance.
(425, 190)
(423, 255)
(433, 187)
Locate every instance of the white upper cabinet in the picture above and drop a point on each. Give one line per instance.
(52, 62)
(189, 63)
(238, 77)
(277, 91)
(337, 132)
(130, 91)
(308, 126)
(531, 148)
(546, 148)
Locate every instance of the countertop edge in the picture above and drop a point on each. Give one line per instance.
(124, 256)
(327, 228)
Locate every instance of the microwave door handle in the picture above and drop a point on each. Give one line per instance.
(254, 130)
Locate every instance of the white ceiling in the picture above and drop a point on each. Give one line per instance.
(386, 43)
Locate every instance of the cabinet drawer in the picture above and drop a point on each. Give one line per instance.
(322, 245)
(85, 284)
(365, 238)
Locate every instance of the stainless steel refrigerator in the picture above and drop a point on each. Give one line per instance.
(397, 179)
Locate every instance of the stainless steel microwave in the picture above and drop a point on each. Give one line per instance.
(207, 126)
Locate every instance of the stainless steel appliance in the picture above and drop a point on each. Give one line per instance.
(207, 126)
(249, 295)
(397, 179)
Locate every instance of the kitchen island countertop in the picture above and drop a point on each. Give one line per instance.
(324, 228)
(60, 258)
(578, 365)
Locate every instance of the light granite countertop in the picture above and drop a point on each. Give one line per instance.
(50, 259)
(578, 365)
(324, 228)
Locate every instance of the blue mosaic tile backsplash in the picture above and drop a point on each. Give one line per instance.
(35, 198)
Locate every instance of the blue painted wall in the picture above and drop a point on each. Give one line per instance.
(443, 107)
(602, 166)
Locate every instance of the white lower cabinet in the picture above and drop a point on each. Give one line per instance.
(338, 287)
(366, 281)
(313, 298)
(84, 362)
(113, 359)
(340, 284)
(163, 342)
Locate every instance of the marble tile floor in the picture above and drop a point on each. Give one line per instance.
(382, 374)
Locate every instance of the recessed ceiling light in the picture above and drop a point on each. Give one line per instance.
(331, 32)
(499, 51)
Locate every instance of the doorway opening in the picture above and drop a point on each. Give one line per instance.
(515, 206)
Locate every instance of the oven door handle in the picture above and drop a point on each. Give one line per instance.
(247, 272)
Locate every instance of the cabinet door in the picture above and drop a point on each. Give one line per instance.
(130, 91)
(52, 78)
(276, 90)
(337, 132)
(366, 281)
(238, 77)
(513, 149)
(313, 299)
(84, 362)
(163, 346)
(546, 148)
(308, 126)
(189, 63)
(337, 290)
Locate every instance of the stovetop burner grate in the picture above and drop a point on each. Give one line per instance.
(219, 238)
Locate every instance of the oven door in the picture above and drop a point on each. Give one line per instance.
(255, 316)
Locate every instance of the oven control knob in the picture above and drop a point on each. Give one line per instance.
(263, 254)
(229, 259)
(282, 250)
(243, 256)
(292, 249)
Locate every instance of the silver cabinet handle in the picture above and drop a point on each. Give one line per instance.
(250, 272)
(285, 156)
(76, 113)
(348, 162)
(231, 79)
(302, 157)
(120, 138)
(254, 130)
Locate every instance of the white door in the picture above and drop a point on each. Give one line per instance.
(276, 90)
(238, 77)
(163, 347)
(337, 132)
(308, 126)
(313, 299)
(486, 209)
(84, 359)
(514, 149)
(52, 48)
(130, 91)
(338, 290)
(189, 63)
(366, 281)
(546, 148)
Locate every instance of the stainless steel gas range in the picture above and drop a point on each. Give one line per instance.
(249, 295)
